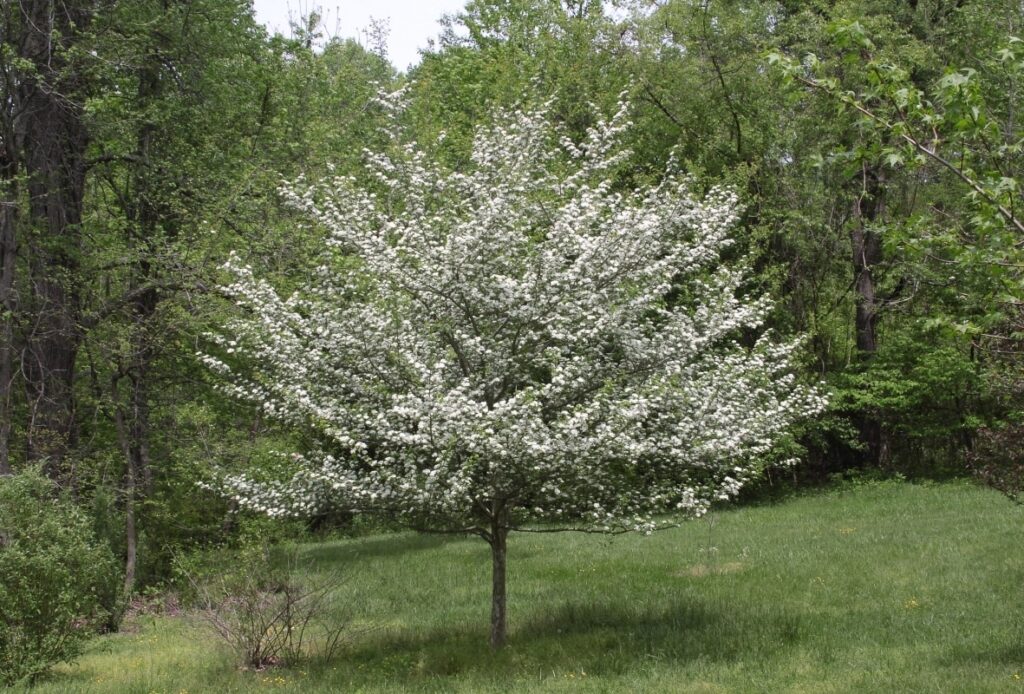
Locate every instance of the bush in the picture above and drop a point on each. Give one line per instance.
(269, 612)
(998, 459)
(54, 577)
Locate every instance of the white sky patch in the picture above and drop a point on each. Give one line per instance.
(411, 22)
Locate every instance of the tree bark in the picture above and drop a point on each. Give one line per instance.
(868, 208)
(866, 242)
(9, 202)
(53, 138)
(130, 485)
(131, 537)
(140, 424)
(499, 621)
(147, 217)
(8, 249)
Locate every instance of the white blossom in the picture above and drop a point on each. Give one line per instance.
(522, 338)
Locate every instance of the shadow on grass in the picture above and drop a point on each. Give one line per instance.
(599, 639)
(1000, 655)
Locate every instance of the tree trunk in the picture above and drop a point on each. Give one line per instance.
(140, 424)
(148, 220)
(499, 621)
(49, 366)
(10, 168)
(868, 208)
(866, 252)
(130, 485)
(138, 475)
(53, 138)
(8, 248)
(131, 537)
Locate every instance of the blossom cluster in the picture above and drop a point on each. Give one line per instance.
(524, 337)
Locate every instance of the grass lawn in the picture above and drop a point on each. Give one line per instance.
(884, 587)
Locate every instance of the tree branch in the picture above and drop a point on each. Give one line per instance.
(932, 154)
(95, 318)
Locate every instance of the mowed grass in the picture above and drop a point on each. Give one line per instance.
(884, 587)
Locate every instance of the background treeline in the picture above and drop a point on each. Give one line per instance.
(876, 144)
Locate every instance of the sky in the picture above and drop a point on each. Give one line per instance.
(411, 22)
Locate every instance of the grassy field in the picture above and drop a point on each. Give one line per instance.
(884, 587)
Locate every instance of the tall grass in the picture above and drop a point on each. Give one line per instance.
(884, 587)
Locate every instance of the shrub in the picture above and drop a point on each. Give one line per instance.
(54, 577)
(998, 458)
(268, 612)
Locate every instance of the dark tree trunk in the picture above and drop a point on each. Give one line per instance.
(131, 483)
(867, 252)
(53, 139)
(140, 424)
(148, 218)
(10, 20)
(133, 436)
(48, 366)
(8, 250)
(144, 218)
(498, 538)
(868, 210)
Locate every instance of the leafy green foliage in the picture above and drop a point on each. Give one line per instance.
(511, 53)
(918, 104)
(926, 395)
(195, 117)
(54, 578)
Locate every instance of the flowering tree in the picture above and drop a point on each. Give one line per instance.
(518, 342)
